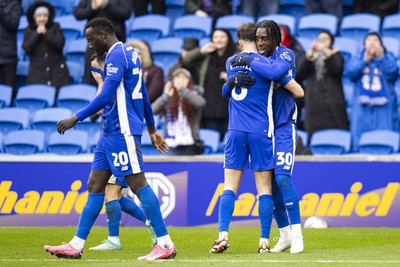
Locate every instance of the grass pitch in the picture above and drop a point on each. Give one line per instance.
(23, 246)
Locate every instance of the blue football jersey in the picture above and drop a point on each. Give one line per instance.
(126, 105)
(284, 106)
(250, 110)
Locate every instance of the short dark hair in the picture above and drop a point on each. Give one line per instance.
(99, 24)
(273, 30)
(246, 32)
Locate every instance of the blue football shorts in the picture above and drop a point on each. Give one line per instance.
(120, 180)
(285, 147)
(244, 148)
(119, 153)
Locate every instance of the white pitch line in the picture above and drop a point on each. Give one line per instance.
(208, 260)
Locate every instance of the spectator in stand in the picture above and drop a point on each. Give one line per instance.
(258, 8)
(153, 75)
(44, 43)
(381, 8)
(213, 8)
(181, 105)
(375, 104)
(212, 76)
(322, 69)
(189, 44)
(117, 11)
(140, 7)
(334, 7)
(10, 12)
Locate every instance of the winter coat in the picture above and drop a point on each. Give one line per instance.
(10, 12)
(47, 64)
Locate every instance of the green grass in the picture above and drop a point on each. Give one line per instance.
(23, 246)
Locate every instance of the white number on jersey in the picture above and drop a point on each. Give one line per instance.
(283, 158)
(136, 94)
(241, 96)
(120, 159)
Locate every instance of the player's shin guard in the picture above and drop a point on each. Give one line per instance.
(290, 197)
(113, 211)
(280, 214)
(226, 207)
(265, 211)
(89, 214)
(151, 208)
(129, 206)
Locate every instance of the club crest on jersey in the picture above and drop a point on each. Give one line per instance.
(285, 56)
(111, 69)
(134, 57)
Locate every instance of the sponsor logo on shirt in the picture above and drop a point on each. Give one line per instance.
(111, 69)
(285, 56)
(134, 57)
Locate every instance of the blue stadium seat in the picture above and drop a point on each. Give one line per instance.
(392, 45)
(330, 142)
(72, 142)
(305, 43)
(62, 7)
(75, 51)
(348, 90)
(356, 26)
(348, 48)
(210, 139)
(13, 119)
(75, 71)
(75, 96)
(379, 142)
(5, 95)
(310, 25)
(45, 120)
(175, 9)
(1, 142)
(304, 136)
(91, 127)
(232, 22)
(292, 7)
(22, 73)
(35, 97)
(348, 7)
(282, 19)
(25, 142)
(204, 41)
(391, 26)
(23, 23)
(150, 27)
(147, 147)
(192, 26)
(92, 142)
(166, 52)
(71, 27)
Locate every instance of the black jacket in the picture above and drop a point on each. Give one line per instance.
(10, 12)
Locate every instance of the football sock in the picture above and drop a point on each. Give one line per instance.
(263, 240)
(296, 229)
(114, 239)
(113, 212)
(265, 211)
(226, 207)
(222, 234)
(77, 242)
(129, 206)
(165, 241)
(280, 214)
(89, 214)
(285, 232)
(290, 197)
(151, 208)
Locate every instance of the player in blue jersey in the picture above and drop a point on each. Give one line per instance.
(250, 133)
(268, 40)
(125, 104)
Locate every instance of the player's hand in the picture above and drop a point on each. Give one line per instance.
(66, 124)
(241, 60)
(158, 142)
(241, 79)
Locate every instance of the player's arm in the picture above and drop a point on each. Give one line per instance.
(148, 111)
(239, 79)
(290, 84)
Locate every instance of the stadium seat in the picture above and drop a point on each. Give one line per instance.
(379, 142)
(147, 147)
(71, 27)
(304, 136)
(391, 26)
(232, 22)
(348, 48)
(5, 95)
(305, 43)
(204, 41)
(75, 52)
(282, 19)
(75, 71)
(35, 96)
(348, 90)
(13, 119)
(294, 8)
(72, 142)
(75, 96)
(392, 45)
(23, 23)
(92, 142)
(1, 142)
(45, 120)
(192, 26)
(175, 9)
(22, 73)
(25, 142)
(210, 139)
(348, 7)
(166, 52)
(91, 127)
(62, 7)
(310, 25)
(356, 26)
(330, 142)
(150, 27)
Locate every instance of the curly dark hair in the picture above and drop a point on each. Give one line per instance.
(273, 30)
(101, 24)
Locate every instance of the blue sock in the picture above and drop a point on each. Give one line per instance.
(129, 206)
(151, 208)
(265, 211)
(89, 214)
(226, 207)
(280, 214)
(290, 197)
(113, 211)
